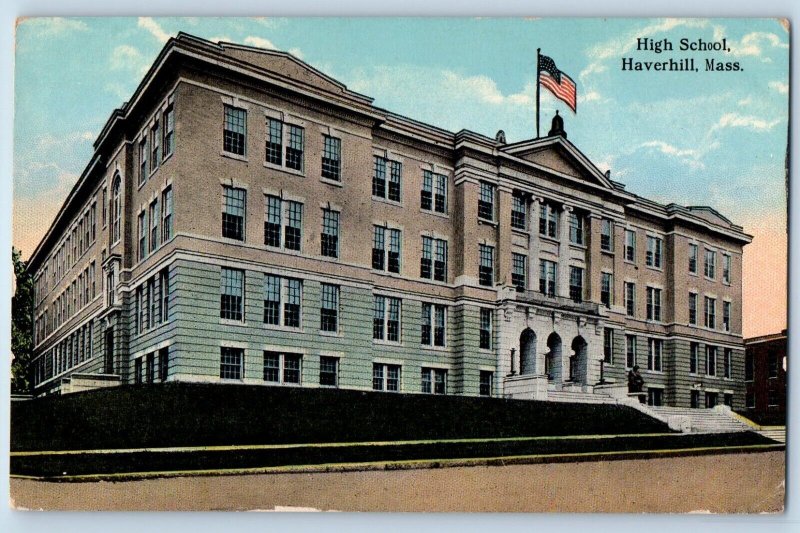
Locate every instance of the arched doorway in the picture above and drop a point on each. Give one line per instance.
(578, 360)
(527, 352)
(553, 358)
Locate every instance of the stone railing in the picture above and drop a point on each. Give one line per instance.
(558, 302)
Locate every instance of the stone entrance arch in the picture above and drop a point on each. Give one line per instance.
(578, 360)
(527, 352)
(553, 364)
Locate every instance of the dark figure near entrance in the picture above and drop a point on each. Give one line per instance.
(635, 382)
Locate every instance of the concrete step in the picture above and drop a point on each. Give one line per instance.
(579, 397)
(703, 420)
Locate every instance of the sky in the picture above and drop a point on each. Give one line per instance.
(698, 138)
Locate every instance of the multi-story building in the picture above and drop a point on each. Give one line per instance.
(765, 377)
(246, 218)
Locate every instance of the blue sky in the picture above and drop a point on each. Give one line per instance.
(717, 139)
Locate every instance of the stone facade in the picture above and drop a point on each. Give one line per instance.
(152, 307)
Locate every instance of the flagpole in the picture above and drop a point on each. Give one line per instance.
(537, 91)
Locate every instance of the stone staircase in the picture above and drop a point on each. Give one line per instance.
(776, 433)
(578, 397)
(714, 420)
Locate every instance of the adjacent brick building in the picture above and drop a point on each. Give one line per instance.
(246, 218)
(765, 378)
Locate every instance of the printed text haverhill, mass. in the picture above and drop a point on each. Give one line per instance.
(682, 64)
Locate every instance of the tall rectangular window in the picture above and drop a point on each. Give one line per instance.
(518, 211)
(383, 169)
(163, 363)
(693, 258)
(692, 309)
(726, 316)
(547, 277)
(486, 266)
(329, 311)
(274, 141)
(329, 371)
(711, 264)
(519, 264)
(166, 214)
(163, 283)
(386, 257)
(576, 284)
(330, 233)
(655, 349)
(711, 312)
(727, 355)
(231, 294)
(575, 228)
(711, 360)
(385, 377)
(294, 225)
(155, 148)
(104, 207)
(726, 268)
(169, 131)
(486, 201)
(142, 235)
(630, 351)
(548, 220)
(654, 251)
(434, 381)
(486, 385)
(143, 159)
(606, 235)
(272, 222)
(630, 298)
(234, 135)
(630, 245)
(386, 318)
(295, 147)
(233, 212)
(606, 288)
(433, 325)
(433, 263)
(608, 346)
(694, 357)
(653, 304)
(291, 307)
(272, 300)
(331, 158)
(231, 364)
(154, 226)
(486, 329)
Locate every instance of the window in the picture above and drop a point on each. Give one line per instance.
(630, 351)
(727, 399)
(655, 347)
(286, 290)
(153, 300)
(169, 131)
(575, 228)
(294, 148)
(231, 363)
(749, 366)
(630, 245)
(330, 233)
(329, 312)
(772, 398)
(151, 367)
(429, 267)
(433, 325)
(606, 235)
(711, 360)
(163, 284)
(274, 141)
(284, 222)
(486, 201)
(329, 371)
(711, 312)
(608, 346)
(772, 365)
(711, 264)
(726, 316)
(385, 377)
(727, 355)
(654, 251)
(383, 259)
(434, 381)
(726, 268)
(606, 288)
(143, 160)
(630, 298)
(750, 400)
(233, 212)
(694, 399)
(692, 309)
(137, 371)
(104, 207)
(486, 267)
(116, 209)
(282, 368)
(434, 192)
(711, 399)
(379, 188)
(166, 214)
(519, 269)
(694, 357)
(386, 318)
(486, 329)
(654, 396)
(142, 235)
(234, 136)
(518, 210)
(486, 386)
(155, 140)
(331, 158)
(547, 277)
(576, 284)
(294, 224)
(232, 294)
(653, 304)
(154, 226)
(163, 364)
(693, 258)
(548, 221)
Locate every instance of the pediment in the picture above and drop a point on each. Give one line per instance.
(709, 214)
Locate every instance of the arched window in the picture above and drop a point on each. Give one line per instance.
(115, 209)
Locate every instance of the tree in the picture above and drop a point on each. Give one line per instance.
(21, 325)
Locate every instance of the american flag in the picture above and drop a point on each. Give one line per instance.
(557, 82)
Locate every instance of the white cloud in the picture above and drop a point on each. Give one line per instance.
(296, 52)
(221, 38)
(734, 120)
(622, 45)
(752, 44)
(124, 55)
(687, 156)
(779, 86)
(745, 101)
(259, 42)
(590, 96)
(149, 24)
(485, 89)
(50, 26)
